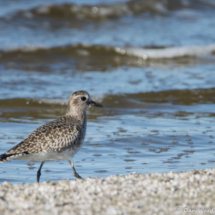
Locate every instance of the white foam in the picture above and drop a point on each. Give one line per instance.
(171, 52)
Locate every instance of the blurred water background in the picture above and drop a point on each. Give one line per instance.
(151, 63)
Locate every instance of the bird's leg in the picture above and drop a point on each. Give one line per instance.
(74, 171)
(39, 172)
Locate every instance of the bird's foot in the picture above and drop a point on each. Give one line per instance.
(77, 175)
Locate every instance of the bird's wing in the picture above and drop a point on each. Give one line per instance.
(54, 136)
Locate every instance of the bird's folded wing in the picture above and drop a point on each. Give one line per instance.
(50, 137)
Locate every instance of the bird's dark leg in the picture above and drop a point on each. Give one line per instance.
(74, 171)
(39, 172)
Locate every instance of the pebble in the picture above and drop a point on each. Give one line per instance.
(167, 193)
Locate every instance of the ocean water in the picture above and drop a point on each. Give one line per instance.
(150, 63)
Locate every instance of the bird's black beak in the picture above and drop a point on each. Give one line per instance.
(92, 103)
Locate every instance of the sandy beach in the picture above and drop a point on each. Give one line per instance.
(189, 192)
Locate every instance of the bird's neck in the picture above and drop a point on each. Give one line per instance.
(77, 114)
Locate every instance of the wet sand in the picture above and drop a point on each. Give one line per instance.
(189, 192)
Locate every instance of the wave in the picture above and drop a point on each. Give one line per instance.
(89, 51)
(180, 97)
(98, 12)
(102, 11)
(198, 100)
(130, 8)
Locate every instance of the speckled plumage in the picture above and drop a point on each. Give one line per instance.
(65, 133)
(56, 140)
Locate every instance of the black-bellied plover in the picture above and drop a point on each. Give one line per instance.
(56, 140)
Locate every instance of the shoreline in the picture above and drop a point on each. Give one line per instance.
(188, 192)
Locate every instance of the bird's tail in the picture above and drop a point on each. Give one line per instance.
(5, 157)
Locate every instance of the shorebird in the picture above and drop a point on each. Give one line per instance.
(56, 140)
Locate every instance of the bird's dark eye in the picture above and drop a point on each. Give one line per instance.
(83, 98)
